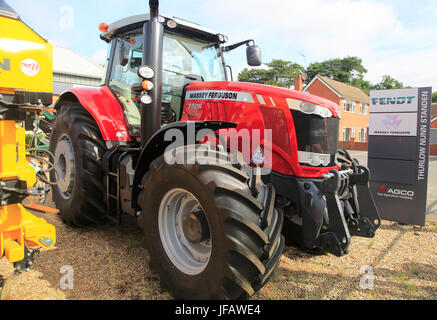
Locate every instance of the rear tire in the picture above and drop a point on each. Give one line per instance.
(78, 147)
(243, 226)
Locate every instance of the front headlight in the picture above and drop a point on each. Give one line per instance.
(309, 108)
(314, 159)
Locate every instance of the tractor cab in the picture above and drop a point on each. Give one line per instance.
(190, 53)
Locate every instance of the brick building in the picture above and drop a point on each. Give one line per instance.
(354, 105)
(434, 130)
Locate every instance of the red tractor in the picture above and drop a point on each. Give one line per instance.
(214, 220)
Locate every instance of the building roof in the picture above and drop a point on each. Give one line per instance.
(342, 89)
(7, 11)
(68, 62)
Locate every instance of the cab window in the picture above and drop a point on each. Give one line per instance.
(124, 76)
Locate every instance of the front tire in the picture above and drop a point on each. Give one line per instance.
(237, 243)
(78, 147)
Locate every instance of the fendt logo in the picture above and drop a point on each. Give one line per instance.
(395, 193)
(393, 100)
(5, 65)
(29, 67)
(392, 122)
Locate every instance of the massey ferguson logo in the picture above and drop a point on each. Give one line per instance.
(392, 122)
(29, 67)
(395, 193)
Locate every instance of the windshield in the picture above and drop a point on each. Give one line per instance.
(182, 56)
(185, 56)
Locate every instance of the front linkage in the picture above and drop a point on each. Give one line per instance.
(338, 207)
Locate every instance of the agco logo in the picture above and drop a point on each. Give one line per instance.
(395, 193)
(393, 100)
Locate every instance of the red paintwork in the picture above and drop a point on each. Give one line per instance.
(106, 110)
(248, 116)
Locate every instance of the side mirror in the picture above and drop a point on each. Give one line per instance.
(124, 52)
(254, 56)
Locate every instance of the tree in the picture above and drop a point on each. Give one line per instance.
(344, 70)
(364, 85)
(256, 75)
(281, 73)
(388, 83)
(434, 97)
(285, 72)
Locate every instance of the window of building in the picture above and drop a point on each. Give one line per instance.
(363, 135)
(348, 106)
(348, 134)
(363, 108)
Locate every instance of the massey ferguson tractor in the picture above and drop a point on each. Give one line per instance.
(163, 140)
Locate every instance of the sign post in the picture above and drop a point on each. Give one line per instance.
(399, 133)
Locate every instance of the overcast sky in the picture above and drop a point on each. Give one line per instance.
(395, 37)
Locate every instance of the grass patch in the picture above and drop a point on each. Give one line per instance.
(114, 281)
(410, 286)
(293, 277)
(317, 296)
(416, 271)
(397, 276)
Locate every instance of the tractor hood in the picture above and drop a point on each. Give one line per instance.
(255, 93)
(304, 128)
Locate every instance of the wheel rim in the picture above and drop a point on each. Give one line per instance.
(177, 207)
(64, 161)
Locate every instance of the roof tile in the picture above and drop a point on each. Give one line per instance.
(346, 90)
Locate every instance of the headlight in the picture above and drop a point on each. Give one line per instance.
(309, 108)
(146, 99)
(172, 24)
(326, 161)
(146, 72)
(314, 159)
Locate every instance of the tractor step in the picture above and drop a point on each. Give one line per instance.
(118, 165)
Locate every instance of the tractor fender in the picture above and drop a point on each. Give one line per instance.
(156, 146)
(103, 106)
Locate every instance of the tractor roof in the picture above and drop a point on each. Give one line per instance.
(138, 21)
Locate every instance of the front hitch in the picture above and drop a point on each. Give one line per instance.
(360, 208)
(336, 239)
(351, 208)
(366, 212)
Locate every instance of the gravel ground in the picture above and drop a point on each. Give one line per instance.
(110, 263)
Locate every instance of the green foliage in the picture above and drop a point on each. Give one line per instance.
(434, 97)
(364, 85)
(280, 73)
(344, 70)
(348, 70)
(256, 75)
(388, 83)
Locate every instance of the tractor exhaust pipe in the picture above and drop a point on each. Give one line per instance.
(153, 32)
